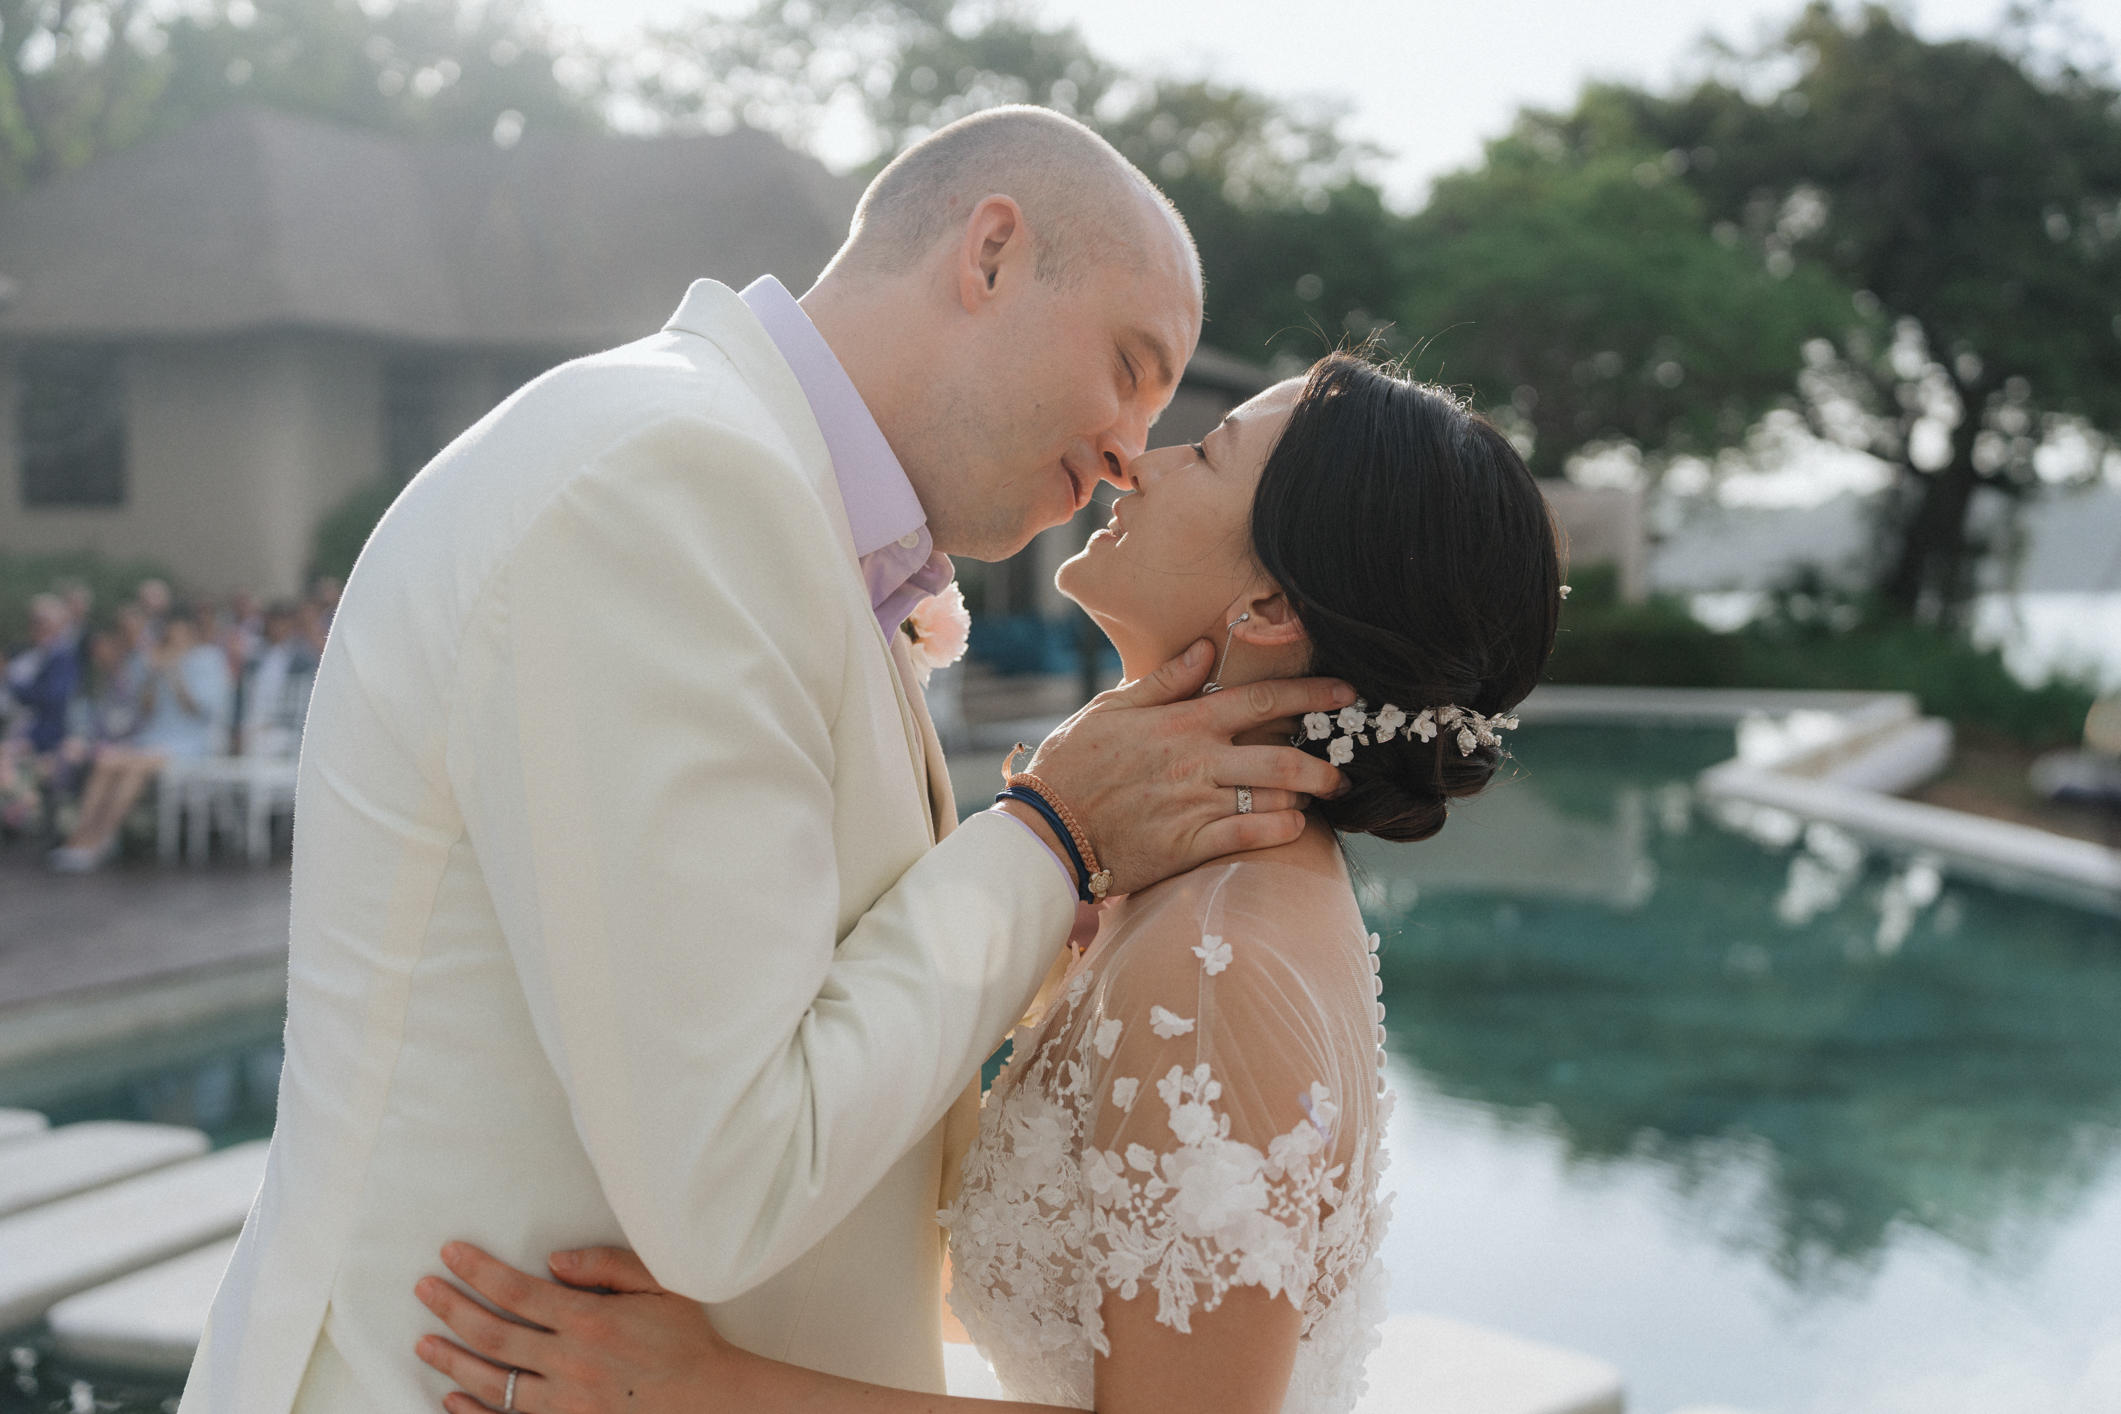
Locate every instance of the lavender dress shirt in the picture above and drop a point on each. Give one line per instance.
(899, 561)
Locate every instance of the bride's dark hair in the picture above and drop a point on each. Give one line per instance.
(1420, 556)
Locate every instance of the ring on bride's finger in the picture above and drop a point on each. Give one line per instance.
(1244, 800)
(508, 1397)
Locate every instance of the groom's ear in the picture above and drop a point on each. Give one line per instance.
(995, 237)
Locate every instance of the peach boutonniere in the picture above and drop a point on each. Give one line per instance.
(940, 626)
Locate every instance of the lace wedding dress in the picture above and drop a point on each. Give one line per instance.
(1200, 1108)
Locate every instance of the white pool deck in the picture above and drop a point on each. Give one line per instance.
(59, 1162)
(20, 1124)
(48, 1253)
(123, 1269)
(1838, 758)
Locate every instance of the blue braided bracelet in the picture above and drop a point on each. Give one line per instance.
(1024, 795)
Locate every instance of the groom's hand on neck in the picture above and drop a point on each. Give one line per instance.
(1152, 772)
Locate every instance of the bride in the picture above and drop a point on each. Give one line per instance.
(1172, 1200)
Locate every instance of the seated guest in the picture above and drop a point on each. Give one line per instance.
(183, 716)
(153, 599)
(41, 677)
(80, 601)
(275, 693)
(121, 665)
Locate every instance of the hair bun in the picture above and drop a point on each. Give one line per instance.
(1421, 558)
(1401, 791)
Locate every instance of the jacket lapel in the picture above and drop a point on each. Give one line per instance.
(712, 311)
(942, 801)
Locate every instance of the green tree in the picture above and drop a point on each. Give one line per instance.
(1292, 237)
(1575, 284)
(419, 68)
(1971, 192)
(79, 78)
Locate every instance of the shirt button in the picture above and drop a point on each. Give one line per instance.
(910, 539)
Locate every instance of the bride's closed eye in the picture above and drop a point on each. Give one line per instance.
(1200, 449)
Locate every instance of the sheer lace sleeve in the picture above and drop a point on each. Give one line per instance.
(1232, 1060)
(1200, 1109)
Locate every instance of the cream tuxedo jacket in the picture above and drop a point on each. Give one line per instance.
(619, 915)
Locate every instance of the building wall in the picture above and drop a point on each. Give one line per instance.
(234, 448)
(1604, 525)
(237, 447)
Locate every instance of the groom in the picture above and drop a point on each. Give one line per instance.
(623, 908)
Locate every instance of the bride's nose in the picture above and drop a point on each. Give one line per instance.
(1152, 466)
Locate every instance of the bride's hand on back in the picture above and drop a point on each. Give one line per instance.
(626, 1344)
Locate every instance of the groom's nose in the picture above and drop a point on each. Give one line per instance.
(1116, 453)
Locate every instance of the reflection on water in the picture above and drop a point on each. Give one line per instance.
(1821, 1061)
(1765, 1122)
(223, 1079)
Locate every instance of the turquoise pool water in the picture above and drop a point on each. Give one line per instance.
(1767, 1123)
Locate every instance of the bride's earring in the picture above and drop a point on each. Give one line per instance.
(1215, 683)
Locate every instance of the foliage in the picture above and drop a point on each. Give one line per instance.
(82, 77)
(76, 79)
(1971, 193)
(1810, 637)
(419, 68)
(1292, 237)
(346, 527)
(1578, 289)
(24, 576)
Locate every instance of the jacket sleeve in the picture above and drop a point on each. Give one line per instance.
(643, 748)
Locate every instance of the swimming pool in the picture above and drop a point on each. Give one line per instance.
(1767, 1123)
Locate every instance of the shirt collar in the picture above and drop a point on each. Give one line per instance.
(899, 562)
(881, 506)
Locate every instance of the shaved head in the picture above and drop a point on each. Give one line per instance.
(1085, 204)
(1015, 304)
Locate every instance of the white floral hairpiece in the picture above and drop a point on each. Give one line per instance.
(1357, 727)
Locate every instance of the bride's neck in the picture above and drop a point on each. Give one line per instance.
(1243, 666)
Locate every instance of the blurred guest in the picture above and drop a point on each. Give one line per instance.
(313, 624)
(242, 630)
(324, 593)
(183, 717)
(274, 695)
(154, 599)
(41, 677)
(122, 679)
(245, 613)
(80, 601)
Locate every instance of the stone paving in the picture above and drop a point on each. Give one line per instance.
(130, 923)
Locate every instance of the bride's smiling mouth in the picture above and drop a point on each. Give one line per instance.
(1114, 530)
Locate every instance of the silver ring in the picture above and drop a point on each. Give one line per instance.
(508, 1399)
(1244, 800)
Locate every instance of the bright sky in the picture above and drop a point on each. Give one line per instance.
(1426, 80)
(1429, 81)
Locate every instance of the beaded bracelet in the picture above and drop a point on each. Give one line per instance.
(1025, 796)
(1093, 883)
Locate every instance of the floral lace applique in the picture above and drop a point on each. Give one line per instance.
(1179, 1203)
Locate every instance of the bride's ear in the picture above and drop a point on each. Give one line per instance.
(1273, 622)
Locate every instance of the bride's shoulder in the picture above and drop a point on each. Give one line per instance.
(1316, 851)
(1232, 917)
